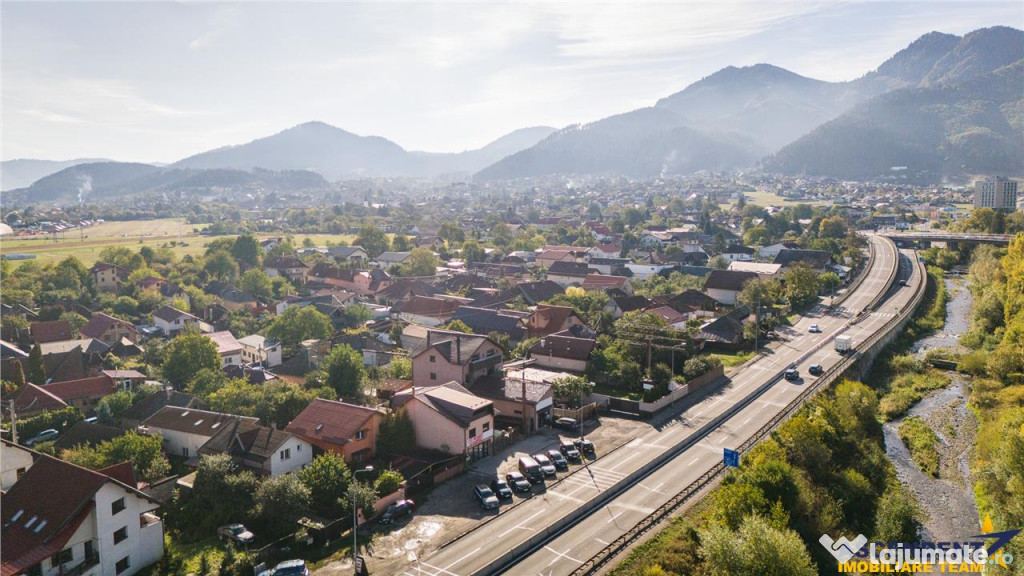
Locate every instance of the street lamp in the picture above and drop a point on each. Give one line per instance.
(355, 519)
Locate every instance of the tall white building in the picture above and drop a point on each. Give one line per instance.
(996, 193)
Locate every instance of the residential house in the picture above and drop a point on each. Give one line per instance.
(362, 282)
(64, 519)
(726, 332)
(605, 250)
(620, 305)
(548, 258)
(453, 356)
(762, 268)
(609, 266)
(547, 319)
(512, 397)
(84, 433)
(346, 254)
(262, 450)
(344, 429)
(172, 321)
(725, 285)
(295, 270)
(15, 460)
(85, 393)
(602, 283)
(563, 351)
(388, 259)
(73, 359)
(768, 253)
(50, 331)
(150, 405)
(817, 260)
(185, 430)
(738, 253)
(672, 317)
(261, 350)
(108, 277)
(485, 320)
(403, 289)
(425, 310)
(692, 302)
(568, 273)
(109, 330)
(11, 356)
(270, 243)
(229, 349)
(30, 400)
(151, 283)
(644, 270)
(448, 418)
(231, 297)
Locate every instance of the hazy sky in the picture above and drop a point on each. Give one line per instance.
(161, 81)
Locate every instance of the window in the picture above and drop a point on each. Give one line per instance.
(36, 570)
(121, 535)
(62, 557)
(184, 451)
(433, 376)
(122, 565)
(20, 473)
(90, 549)
(286, 454)
(361, 434)
(298, 447)
(472, 432)
(116, 506)
(433, 358)
(487, 426)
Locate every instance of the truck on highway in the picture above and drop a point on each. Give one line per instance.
(844, 344)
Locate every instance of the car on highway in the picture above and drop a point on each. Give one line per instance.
(568, 449)
(518, 482)
(501, 489)
(400, 509)
(236, 533)
(816, 370)
(904, 283)
(488, 501)
(558, 460)
(792, 375)
(288, 568)
(566, 424)
(814, 329)
(586, 447)
(44, 436)
(545, 465)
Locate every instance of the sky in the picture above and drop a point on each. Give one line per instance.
(157, 82)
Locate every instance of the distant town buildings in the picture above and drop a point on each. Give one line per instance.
(996, 193)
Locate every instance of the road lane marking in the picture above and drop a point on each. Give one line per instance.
(694, 461)
(560, 555)
(445, 569)
(520, 525)
(614, 516)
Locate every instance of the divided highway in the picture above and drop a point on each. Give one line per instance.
(544, 535)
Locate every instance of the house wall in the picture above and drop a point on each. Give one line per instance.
(141, 548)
(300, 452)
(175, 441)
(644, 271)
(234, 358)
(422, 320)
(483, 427)
(443, 371)
(738, 257)
(724, 296)
(113, 335)
(566, 280)
(12, 459)
(175, 326)
(434, 430)
(560, 363)
(271, 356)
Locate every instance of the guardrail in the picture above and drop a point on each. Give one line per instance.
(892, 276)
(860, 277)
(652, 519)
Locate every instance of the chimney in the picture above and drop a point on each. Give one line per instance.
(428, 337)
(458, 350)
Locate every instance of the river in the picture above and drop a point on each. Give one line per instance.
(947, 501)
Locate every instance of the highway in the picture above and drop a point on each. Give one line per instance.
(485, 549)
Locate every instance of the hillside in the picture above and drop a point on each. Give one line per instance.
(22, 172)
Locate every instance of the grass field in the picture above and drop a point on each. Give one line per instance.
(765, 198)
(86, 244)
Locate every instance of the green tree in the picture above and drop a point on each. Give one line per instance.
(400, 243)
(760, 290)
(397, 433)
(327, 478)
(373, 240)
(756, 549)
(17, 375)
(206, 382)
(256, 282)
(145, 453)
(896, 517)
(297, 324)
(220, 495)
(186, 355)
(388, 482)
(571, 389)
(834, 227)
(472, 251)
(458, 326)
(279, 502)
(247, 249)
(421, 262)
(719, 262)
(345, 371)
(111, 407)
(220, 265)
(801, 286)
(36, 369)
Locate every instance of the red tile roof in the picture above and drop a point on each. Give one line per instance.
(603, 282)
(330, 421)
(95, 387)
(100, 323)
(35, 399)
(52, 331)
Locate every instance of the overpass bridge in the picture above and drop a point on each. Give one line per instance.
(943, 236)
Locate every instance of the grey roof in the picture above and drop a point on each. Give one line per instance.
(728, 279)
(497, 387)
(170, 313)
(86, 434)
(562, 345)
(246, 439)
(569, 269)
(813, 258)
(728, 328)
(486, 320)
(458, 406)
(191, 420)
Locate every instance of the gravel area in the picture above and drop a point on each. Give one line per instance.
(958, 318)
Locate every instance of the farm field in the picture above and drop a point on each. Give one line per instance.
(87, 244)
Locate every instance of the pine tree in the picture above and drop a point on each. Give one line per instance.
(18, 375)
(36, 370)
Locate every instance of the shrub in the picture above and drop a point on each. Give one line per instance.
(921, 441)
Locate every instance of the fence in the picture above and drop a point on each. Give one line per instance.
(587, 412)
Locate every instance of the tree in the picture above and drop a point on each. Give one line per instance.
(834, 227)
(345, 371)
(388, 482)
(188, 354)
(757, 548)
(36, 369)
(458, 326)
(17, 375)
(801, 286)
(221, 266)
(661, 376)
(571, 389)
(356, 315)
(206, 382)
(256, 282)
(760, 291)
(400, 243)
(297, 324)
(718, 263)
(247, 249)
(327, 478)
(829, 280)
(145, 453)
(111, 407)
(280, 501)
(895, 520)
(472, 251)
(397, 433)
(373, 240)
(421, 262)
(220, 495)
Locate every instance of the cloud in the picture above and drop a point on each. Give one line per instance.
(48, 116)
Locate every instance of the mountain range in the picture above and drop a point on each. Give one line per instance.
(945, 108)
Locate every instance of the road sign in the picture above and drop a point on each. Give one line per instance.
(732, 458)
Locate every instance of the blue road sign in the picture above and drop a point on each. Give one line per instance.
(732, 458)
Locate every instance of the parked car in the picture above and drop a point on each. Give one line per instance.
(288, 568)
(792, 375)
(568, 449)
(488, 501)
(567, 424)
(586, 447)
(530, 468)
(501, 489)
(44, 436)
(771, 335)
(816, 370)
(236, 533)
(545, 465)
(399, 509)
(518, 482)
(814, 329)
(558, 460)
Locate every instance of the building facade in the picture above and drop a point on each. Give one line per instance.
(996, 193)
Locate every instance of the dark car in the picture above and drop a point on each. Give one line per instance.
(904, 283)
(399, 509)
(816, 370)
(236, 533)
(567, 424)
(545, 465)
(558, 460)
(586, 447)
(488, 501)
(792, 375)
(518, 482)
(501, 489)
(568, 449)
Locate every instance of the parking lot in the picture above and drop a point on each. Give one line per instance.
(450, 509)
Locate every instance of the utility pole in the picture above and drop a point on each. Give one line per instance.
(14, 423)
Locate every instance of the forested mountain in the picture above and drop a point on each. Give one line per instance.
(22, 172)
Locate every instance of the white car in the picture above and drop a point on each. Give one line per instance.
(44, 436)
(814, 329)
